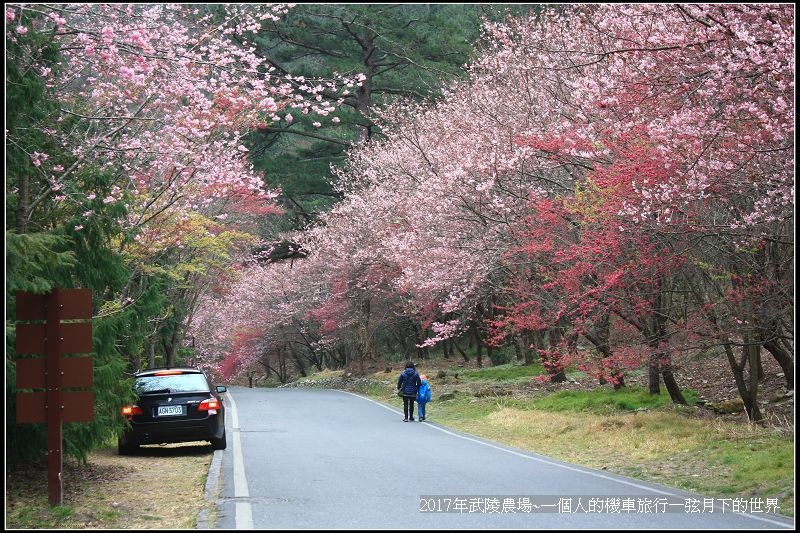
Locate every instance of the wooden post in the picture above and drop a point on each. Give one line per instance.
(53, 372)
(54, 342)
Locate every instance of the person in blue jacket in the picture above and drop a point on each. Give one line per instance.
(408, 383)
(423, 396)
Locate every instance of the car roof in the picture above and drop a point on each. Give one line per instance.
(181, 369)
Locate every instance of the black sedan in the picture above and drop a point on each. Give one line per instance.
(174, 405)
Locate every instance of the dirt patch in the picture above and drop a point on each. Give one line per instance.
(712, 379)
(160, 488)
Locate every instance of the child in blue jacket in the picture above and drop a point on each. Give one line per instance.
(423, 396)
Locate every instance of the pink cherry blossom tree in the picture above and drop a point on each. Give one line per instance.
(162, 96)
(655, 135)
(155, 105)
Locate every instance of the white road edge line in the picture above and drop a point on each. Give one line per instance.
(539, 459)
(244, 511)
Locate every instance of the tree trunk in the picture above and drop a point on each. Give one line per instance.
(531, 350)
(599, 337)
(750, 405)
(364, 93)
(517, 350)
(267, 369)
(151, 357)
(463, 354)
(653, 374)
(422, 352)
(553, 366)
(771, 313)
(339, 357)
(752, 348)
(784, 359)
(284, 366)
(656, 336)
(363, 334)
(172, 348)
(663, 357)
(669, 380)
(22, 205)
(298, 361)
(479, 349)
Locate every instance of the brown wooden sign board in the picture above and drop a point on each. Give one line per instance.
(77, 372)
(32, 338)
(77, 407)
(75, 304)
(52, 338)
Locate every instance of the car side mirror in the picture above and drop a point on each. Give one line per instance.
(222, 388)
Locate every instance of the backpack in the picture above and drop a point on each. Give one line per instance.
(424, 393)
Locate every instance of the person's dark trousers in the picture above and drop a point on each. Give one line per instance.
(408, 406)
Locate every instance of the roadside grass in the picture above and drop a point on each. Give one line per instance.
(506, 372)
(375, 389)
(322, 374)
(115, 492)
(632, 433)
(608, 400)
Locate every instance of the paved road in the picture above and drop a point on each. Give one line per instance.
(313, 459)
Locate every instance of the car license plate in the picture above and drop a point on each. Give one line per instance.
(170, 410)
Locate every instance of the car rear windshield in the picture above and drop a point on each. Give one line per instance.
(172, 383)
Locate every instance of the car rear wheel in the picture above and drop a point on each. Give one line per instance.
(220, 443)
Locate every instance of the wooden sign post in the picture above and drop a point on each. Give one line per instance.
(53, 373)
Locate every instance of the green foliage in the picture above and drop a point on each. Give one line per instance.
(28, 104)
(34, 261)
(508, 372)
(65, 258)
(318, 39)
(27, 442)
(406, 50)
(500, 357)
(606, 400)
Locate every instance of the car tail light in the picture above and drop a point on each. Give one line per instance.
(131, 410)
(209, 405)
(168, 372)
